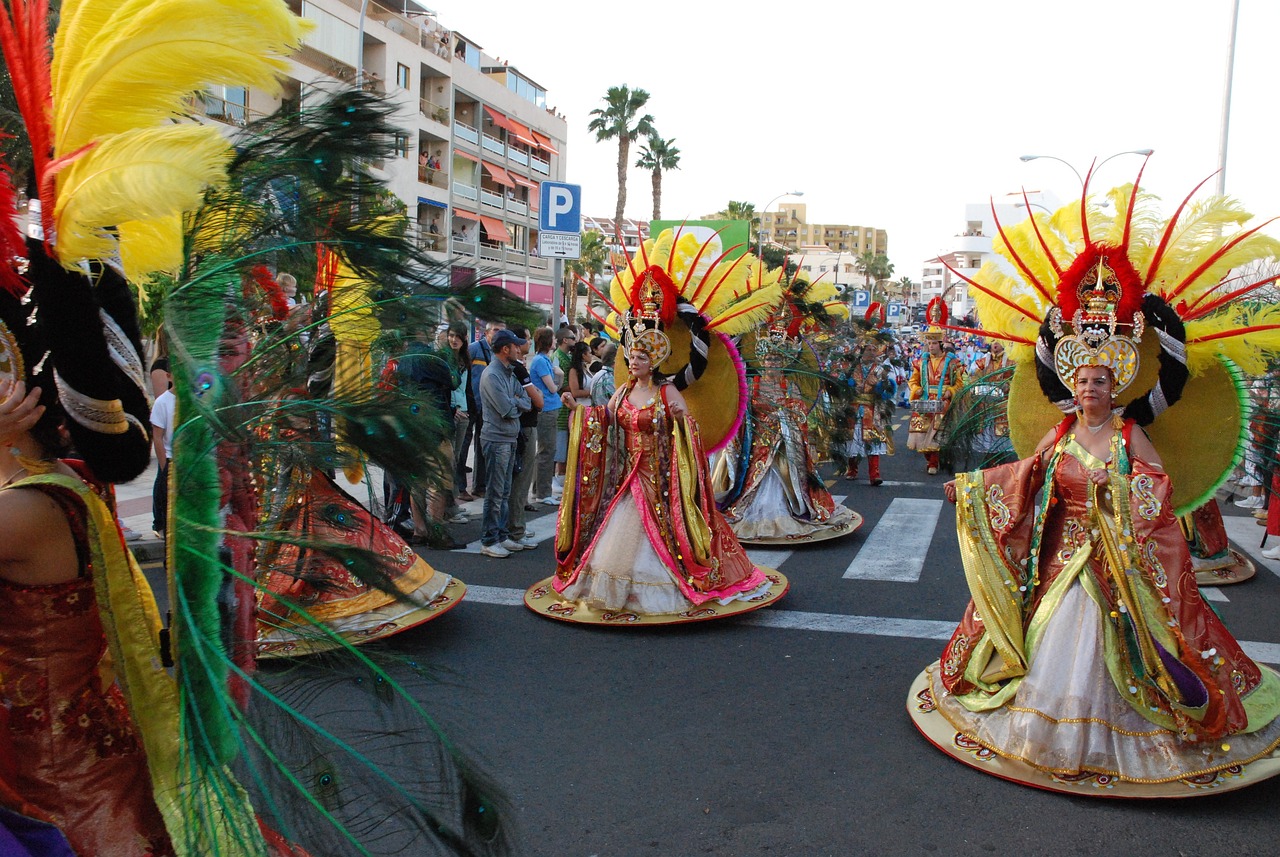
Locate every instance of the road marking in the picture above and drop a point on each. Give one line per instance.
(894, 483)
(835, 623)
(1213, 593)
(773, 556)
(895, 550)
(539, 529)
(1246, 535)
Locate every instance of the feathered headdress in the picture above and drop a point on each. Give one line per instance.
(1132, 291)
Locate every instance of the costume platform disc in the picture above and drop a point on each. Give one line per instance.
(820, 535)
(397, 620)
(1235, 568)
(939, 732)
(543, 599)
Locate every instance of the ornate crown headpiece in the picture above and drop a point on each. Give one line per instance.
(649, 312)
(781, 337)
(1094, 341)
(12, 367)
(936, 316)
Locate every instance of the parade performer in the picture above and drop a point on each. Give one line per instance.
(1216, 563)
(775, 493)
(870, 426)
(977, 423)
(640, 540)
(118, 736)
(1087, 661)
(936, 376)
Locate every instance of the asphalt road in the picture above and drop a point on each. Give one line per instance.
(737, 737)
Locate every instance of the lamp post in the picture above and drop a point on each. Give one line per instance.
(760, 229)
(1080, 178)
(1226, 101)
(1033, 205)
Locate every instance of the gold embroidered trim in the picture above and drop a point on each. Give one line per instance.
(100, 415)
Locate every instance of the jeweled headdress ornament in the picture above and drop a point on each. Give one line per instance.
(1095, 341)
(935, 314)
(652, 308)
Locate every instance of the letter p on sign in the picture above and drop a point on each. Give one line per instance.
(561, 208)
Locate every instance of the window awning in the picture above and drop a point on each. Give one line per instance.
(499, 175)
(521, 180)
(461, 154)
(522, 132)
(422, 200)
(464, 214)
(499, 120)
(544, 142)
(495, 229)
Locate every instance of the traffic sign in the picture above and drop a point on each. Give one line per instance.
(895, 311)
(861, 299)
(560, 245)
(560, 207)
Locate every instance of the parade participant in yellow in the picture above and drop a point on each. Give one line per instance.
(935, 377)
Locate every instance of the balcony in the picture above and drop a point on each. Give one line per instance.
(464, 248)
(488, 197)
(430, 176)
(537, 263)
(466, 132)
(493, 144)
(491, 252)
(220, 110)
(515, 206)
(519, 156)
(539, 165)
(465, 191)
(434, 243)
(434, 112)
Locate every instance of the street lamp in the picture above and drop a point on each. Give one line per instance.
(1080, 178)
(760, 229)
(1033, 205)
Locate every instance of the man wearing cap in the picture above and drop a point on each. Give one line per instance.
(503, 399)
(936, 376)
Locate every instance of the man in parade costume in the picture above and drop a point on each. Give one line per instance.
(935, 378)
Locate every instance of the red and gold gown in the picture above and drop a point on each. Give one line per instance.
(71, 753)
(638, 527)
(1087, 647)
(931, 378)
(781, 495)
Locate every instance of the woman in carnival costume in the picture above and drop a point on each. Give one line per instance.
(936, 376)
(1087, 661)
(640, 540)
(872, 387)
(775, 493)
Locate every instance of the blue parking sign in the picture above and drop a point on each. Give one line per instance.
(560, 207)
(861, 299)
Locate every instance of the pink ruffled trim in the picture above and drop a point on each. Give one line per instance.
(743, 396)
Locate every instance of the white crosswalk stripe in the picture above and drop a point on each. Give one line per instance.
(895, 550)
(773, 556)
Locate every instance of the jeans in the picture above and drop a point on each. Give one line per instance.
(499, 458)
(478, 477)
(160, 499)
(520, 486)
(546, 453)
(461, 442)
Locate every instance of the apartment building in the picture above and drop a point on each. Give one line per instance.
(478, 135)
(789, 227)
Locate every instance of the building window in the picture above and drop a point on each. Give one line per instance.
(402, 146)
(402, 76)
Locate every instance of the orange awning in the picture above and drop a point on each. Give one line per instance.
(464, 214)
(467, 155)
(521, 180)
(495, 229)
(544, 142)
(499, 174)
(522, 132)
(500, 120)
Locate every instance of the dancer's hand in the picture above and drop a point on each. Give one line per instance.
(1098, 477)
(19, 410)
(949, 491)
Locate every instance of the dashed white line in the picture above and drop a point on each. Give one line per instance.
(895, 550)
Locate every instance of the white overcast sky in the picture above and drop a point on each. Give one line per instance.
(896, 113)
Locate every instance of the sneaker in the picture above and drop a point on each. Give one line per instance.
(1272, 553)
(1250, 502)
(495, 551)
(550, 501)
(130, 535)
(459, 518)
(527, 543)
(465, 497)
(512, 545)
(933, 471)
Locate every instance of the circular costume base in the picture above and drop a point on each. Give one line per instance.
(821, 534)
(453, 592)
(1239, 569)
(543, 599)
(939, 732)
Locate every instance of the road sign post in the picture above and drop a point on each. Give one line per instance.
(559, 230)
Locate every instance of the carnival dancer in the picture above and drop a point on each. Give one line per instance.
(640, 540)
(1087, 661)
(936, 375)
(775, 493)
(874, 390)
(1216, 563)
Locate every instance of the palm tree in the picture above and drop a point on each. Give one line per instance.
(740, 211)
(866, 265)
(906, 287)
(589, 265)
(620, 119)
(657, 156)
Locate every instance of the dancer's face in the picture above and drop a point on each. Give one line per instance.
(1093, 386)
(639, 364)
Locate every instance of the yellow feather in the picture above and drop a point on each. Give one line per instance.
(1249, 351)
(150, 246)
(135, 68)
(139, 175)
(747, 312)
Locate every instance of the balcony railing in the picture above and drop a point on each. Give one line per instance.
(437, 176)
(464, 248)
(488, 197)
(221, 110)
(491, 252)
(493, 144)
(539, 165)
(515, 206)
(465, 191)
(435, 112)
(520, 157)
(434, 243)
(466, 132)
(537, 263)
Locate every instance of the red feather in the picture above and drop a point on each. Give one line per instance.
(1131, 289)
(1133, 201)
(1154, 267)
(696, 259)
(1057, 269)
(24, 36)
(675, 239)
(1022, 266)
(1208, 263)
(719, 282)
(987, 291)
(12, 245)
(1084, 203)
(1239, 331)
(266, 281)
(989, 334)
(1226, 299)
(598, 294)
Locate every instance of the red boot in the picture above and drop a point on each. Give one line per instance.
(931, 461)
(873, 469)
(851, 470)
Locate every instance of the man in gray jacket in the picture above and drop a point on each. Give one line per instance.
(503, 399)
